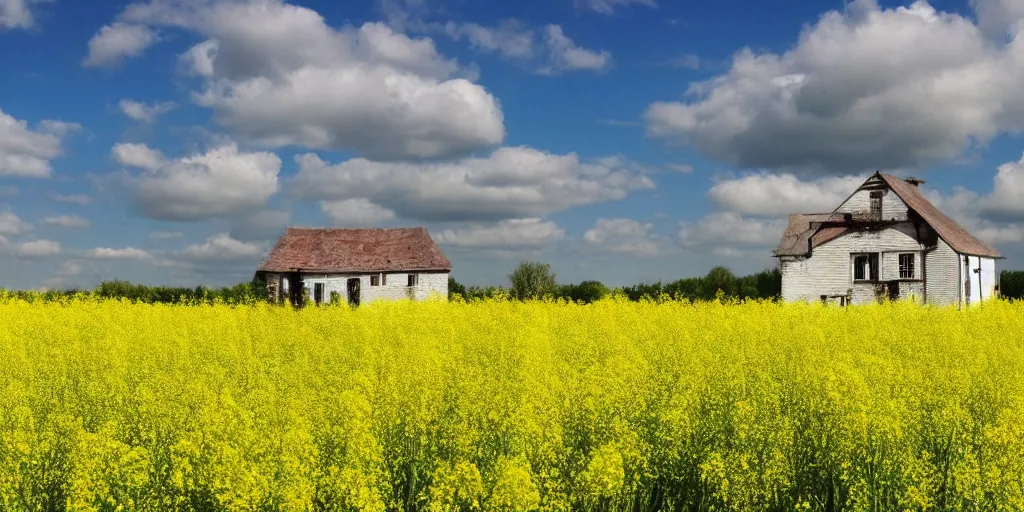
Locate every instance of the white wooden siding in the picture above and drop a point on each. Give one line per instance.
(941, 266)
(893, 208)
(983, 287)
(395, 286)
(829, 270)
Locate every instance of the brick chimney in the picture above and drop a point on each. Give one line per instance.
(914, 181)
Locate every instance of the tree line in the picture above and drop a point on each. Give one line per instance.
(530, 280)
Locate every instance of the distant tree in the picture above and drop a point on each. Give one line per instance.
(720, 278)
(585, 292)
(1011, 284)
(454, 287)
(532, 280)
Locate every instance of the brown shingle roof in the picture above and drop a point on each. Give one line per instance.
(956, 236)
(803, 227)
(355, 250)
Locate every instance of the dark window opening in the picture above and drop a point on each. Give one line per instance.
(318, 293)
(876, 205)
(865, 267)
(906, 266)
(375, 280)
(413, 279)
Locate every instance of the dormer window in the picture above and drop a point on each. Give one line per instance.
(876, 205)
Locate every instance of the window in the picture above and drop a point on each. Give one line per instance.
(865, 267)
(876, 205)
(907, 266)
(318, 293)
(413, 279)
(375, 280)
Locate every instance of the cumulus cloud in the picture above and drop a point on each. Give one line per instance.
(27, 153)
(510, 39)
(624, 236)
(565, 55)
(259, 227)
(222, 247)
(17, 14)
(116, 42)
(998, 18)
(778, 195)
(139, 156)
(126, 253)
(513, 182)
(144, 113)
(608, 7)
(35, 249)
(508, 234)
(728, 229)
(221, 182)
(79, 199)
(67, 221)
(866, 88)
(10, 224)
(370, 90)
(357, 212)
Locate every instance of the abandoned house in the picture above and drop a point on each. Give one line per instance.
(359, 266)
(885, 240)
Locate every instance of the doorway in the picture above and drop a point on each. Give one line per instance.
(894, 290)
(353, 291)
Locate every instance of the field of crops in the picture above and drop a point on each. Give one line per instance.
(511, 406)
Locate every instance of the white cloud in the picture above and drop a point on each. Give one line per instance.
(356, 212)
(1007, 197)
(278, 74)
(867, 88)
(222, 247)
(34, 249)
(778, 195)
(166, 235)
(59, 128)
(998, 18)
(67, 221)
(79, 199)
(726, 229)
(565, 55)
(126, 253)
(221, 182)
(608, 7)
(16, 14)
(10, 224)
(528, 233)
(139, 156)
(513, 182)
(27, 153)
(144, 113)
(624, 236)
(510, 39)
(116, 42)
(681, 168)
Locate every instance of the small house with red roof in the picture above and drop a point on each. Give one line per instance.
(885, 240)
(357, 266)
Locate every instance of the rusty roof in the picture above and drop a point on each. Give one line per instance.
(804, 227)
(952, 233)
(355, 250)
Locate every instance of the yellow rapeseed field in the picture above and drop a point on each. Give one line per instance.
(499, 405)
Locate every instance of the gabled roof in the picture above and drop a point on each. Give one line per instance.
(952, 233)
(355, 250)
(804, 227)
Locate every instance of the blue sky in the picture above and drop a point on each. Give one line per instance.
(170, 141)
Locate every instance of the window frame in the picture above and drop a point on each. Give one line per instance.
(374, 279)
(871, 273)
(413, 280)
(910, 268)
(318, 293)
(876, 205)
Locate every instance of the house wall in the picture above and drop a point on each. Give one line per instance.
(941, 267)
(394, 287)
(982, 290)
(828, 271)
(860, 203)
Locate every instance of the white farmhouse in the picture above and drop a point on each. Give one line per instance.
(886, 239)
(359, 265)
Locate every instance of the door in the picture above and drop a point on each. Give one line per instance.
(894, 290)
(295, 285)
(353, 291)
(318, 293)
